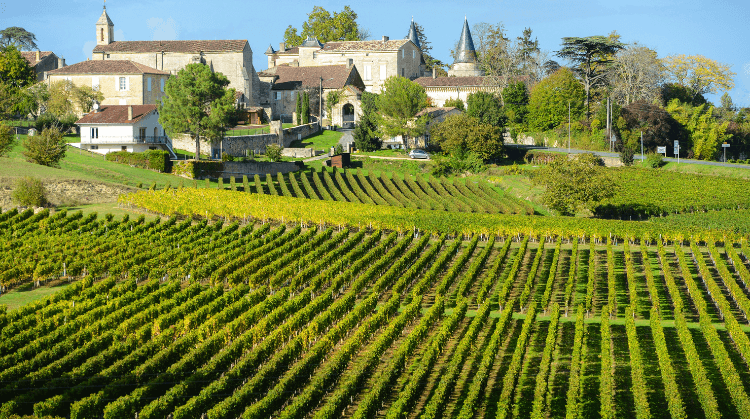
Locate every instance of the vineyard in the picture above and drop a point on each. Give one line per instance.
(456, 195)
(645, 193)
(256, 320)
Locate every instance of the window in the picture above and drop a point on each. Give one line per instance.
(383, 72)
(124, 148)
(413, 54)
(291, 95)
(95, 147)
(94, 132)
(277, 95)
(95, 83)
(107, 55)
(402, 72)
(122, 83)
(101, 32)
(149, 84)
(368, 72)
(142, 133)
(162, 85)
(402, 53)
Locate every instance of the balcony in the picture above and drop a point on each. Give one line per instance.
(147, 139)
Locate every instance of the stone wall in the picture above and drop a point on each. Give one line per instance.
(298, 152)
(252, 168)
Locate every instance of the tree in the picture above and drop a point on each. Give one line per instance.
(46, 148)
(298, 109)
(342, 26)
(636, 75)
(35, 99)
(461, 133)
(659, 128)
(590, 57)
(516, 102)
(18, 37)
(706, 134)
(574, 184)
(305, 108)
(398, 103)
(430, 61)
(197, 102)
(29, 192)
(726, 102)
(61, 96)
(15, 75)
(700, 74)
(85, 96)
(7, 139)
(332, 99)
(366, 132)
(486, 107)
(684, 94)
(548, 105)
(456, 103)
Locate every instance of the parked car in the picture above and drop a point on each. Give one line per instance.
(418, 154)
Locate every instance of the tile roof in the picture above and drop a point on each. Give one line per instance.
(290, 78)
(107, 67)
(434, 112)
(292, 50)
(450, 81)
(343, 46)
(30, 56)
(173, 46)
(117, 114)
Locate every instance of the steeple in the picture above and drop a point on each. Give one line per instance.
(412, 36)
(466, 52)
(105, 29)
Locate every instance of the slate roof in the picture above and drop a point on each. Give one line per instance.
(174, 46)
(412, 35)
(450, 81)
(466, 51)
(107, 67)
(343, 46)
(291, 78)
(30, 56)
(117, 114)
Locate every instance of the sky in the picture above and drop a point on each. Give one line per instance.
(717, 29)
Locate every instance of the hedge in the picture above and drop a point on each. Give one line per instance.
(151, 159)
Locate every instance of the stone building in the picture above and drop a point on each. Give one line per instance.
(121, 82)
(375, 60)
(284, 83)
(42, 61)
(233, 58)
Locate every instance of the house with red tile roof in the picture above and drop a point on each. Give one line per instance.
(42, 61)
(233, 58)
(133, 128)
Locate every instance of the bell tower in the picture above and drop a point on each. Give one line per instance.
(105, 29)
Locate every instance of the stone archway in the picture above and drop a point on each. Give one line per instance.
(347, 115)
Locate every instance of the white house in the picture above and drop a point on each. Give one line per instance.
(133, 128)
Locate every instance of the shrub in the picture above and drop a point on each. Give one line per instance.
(339, 149)
(7, 139)
(29, 192)
(47, 120)
(226, 157)
(468, 162)
(627, 156)
(151, 159)
(654, 160)
(273, 152)
(47, 148)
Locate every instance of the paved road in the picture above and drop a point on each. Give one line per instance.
(637, 156)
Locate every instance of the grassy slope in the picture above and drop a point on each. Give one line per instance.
(321, 141)
(25, 295)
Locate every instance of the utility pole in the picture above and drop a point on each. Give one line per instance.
(568, 126)
(641, 145)
(609, 132)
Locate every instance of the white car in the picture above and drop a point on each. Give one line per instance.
(418, 154)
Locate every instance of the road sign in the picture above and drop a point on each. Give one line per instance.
(725, 145)
(676, 143)
(661, 150)
(676, 151)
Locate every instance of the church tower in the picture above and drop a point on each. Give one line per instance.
(105, 29)
(412, 36)
(466, 56)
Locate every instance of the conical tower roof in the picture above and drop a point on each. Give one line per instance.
(412, 36)
(104, 18)
(466, 52)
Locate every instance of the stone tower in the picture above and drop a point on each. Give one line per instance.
(466, 56)
(105, 29)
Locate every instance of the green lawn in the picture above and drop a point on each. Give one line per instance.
(26, 294)
(323, 140)
(741, 171)
(384, 153)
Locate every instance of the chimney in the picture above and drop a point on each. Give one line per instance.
(385, 38)
(434, 73)
(130, 112)
(282, 47)
(61, 62)
(38, 55)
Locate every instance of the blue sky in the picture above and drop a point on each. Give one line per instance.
(717, 29)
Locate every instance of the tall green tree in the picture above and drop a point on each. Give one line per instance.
(305, 108)
(591, 57)
(516, 102)
(548, 105)
(7, 139)
(15, 76)
(298, 109)
(18, 37)
(320, 24)
(486, 107)
(706, 133)
(399, 102)
(366, 132)
(197, 102)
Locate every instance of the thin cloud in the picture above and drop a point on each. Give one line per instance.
(163, 30)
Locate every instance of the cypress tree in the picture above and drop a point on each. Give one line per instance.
(306, 109)
(299, 109)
